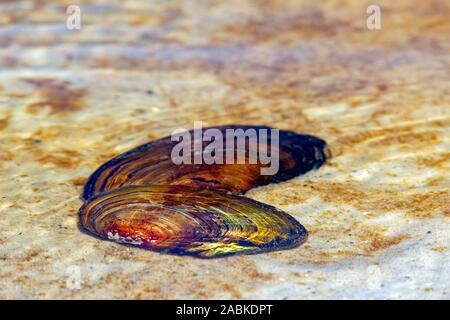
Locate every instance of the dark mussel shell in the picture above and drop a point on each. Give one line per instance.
(143, 198)
(151, 164)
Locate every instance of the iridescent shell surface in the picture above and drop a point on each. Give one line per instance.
(142, 198)
(185, 220)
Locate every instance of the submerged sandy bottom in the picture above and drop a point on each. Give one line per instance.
(378, 214)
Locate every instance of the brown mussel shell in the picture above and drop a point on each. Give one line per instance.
(142, 198)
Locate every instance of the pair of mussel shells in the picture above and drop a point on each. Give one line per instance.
(142, 198)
